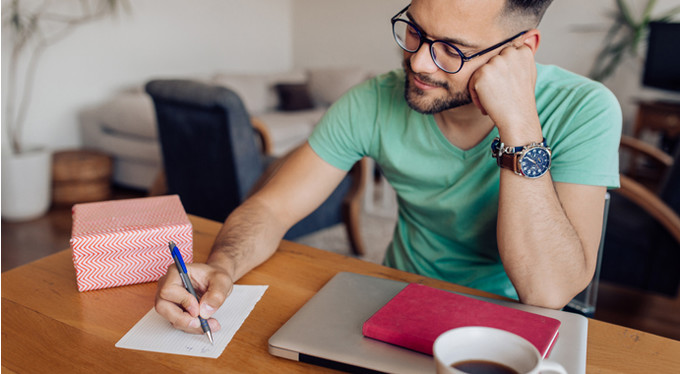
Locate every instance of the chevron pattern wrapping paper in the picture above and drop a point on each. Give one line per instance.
(122, 242)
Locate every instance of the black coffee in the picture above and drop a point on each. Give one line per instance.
(483, 367)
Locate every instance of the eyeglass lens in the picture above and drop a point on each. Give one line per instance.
(409, 38)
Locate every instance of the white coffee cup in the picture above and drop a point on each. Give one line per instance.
(489, 344)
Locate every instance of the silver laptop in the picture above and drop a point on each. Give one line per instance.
(326, 331)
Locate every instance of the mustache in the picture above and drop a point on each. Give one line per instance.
(423, 78)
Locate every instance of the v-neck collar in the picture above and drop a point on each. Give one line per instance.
(482, 146)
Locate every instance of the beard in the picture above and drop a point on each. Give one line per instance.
(417, 100)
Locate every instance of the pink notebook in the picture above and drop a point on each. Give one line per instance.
(418, 314)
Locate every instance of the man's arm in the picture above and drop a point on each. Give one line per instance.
(548, 233)
(249, 236)
(548, 237)
(302, 183)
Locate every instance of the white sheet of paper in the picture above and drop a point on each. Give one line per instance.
(153, 333)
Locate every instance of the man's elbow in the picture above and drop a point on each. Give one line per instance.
(557, 292)
(549, 300)
(552, 296)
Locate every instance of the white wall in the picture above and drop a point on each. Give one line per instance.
(357, 33)
(159, 38)
(345, 33)
(199, 38)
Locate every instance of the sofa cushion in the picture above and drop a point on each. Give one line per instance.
(251, 88)
(294, 96)
(290, 129)
(327, 85)
(129, 113)
(129, 147)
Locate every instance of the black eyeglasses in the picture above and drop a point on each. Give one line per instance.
(444, 54)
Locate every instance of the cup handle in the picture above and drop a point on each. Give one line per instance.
(551, 366)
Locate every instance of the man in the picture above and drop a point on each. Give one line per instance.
(469, 77)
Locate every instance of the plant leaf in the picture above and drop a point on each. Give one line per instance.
(625, 12)
(646, 15)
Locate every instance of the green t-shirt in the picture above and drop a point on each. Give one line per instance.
(447, 197)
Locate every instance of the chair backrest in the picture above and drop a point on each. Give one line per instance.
(670, 185)
(584, 303)
(643, 237)
(208, 144)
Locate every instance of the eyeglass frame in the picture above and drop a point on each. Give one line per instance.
(424, 39)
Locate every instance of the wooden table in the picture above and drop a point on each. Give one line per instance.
(48, 326)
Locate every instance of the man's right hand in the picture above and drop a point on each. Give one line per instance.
(177, 305)
(250, 235)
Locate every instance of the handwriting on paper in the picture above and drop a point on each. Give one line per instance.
(155, 334)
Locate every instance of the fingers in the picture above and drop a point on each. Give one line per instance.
(504, 85)
(182, 320)
(474, 97)
(173, 304)
(180, 308)
(219, 287)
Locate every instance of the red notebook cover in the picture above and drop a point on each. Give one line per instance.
(418, 314)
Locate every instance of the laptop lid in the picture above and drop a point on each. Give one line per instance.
(326, 331)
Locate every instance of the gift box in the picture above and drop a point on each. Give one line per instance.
(122, 242)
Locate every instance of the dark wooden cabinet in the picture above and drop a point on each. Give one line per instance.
(658, 116)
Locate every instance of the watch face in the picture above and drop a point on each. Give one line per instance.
(535, 162)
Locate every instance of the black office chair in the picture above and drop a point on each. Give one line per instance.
(212, 159)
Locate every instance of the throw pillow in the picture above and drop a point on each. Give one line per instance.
(293, 96)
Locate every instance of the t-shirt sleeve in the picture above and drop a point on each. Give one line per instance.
(585, 146)
(343, 135)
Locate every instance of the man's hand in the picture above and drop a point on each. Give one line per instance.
(177, 305)
(504, 89)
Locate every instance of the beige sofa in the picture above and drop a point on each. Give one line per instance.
(290, 104)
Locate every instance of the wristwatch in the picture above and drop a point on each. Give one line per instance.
(531, 161)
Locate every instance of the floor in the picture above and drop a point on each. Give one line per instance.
(27, 241)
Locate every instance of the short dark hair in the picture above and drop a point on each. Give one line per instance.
(531, 10)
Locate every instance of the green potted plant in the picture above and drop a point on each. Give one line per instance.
(33, 26)
(625, 36)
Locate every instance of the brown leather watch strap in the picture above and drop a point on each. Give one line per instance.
(507, 161)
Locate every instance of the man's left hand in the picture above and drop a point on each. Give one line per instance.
(504, 89)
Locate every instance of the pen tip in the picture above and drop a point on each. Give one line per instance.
(209, 333)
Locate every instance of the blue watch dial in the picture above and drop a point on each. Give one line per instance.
(535, 162)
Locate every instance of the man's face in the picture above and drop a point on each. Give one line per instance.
(472, 26)
(420, 100)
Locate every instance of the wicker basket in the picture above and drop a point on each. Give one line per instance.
(80, 176)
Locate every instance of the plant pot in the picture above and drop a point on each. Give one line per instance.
(26, 184)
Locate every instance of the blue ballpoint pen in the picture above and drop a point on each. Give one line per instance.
(182, 269)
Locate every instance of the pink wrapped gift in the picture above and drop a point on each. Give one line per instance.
(121, 242)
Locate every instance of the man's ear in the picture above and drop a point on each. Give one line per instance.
(532, 39)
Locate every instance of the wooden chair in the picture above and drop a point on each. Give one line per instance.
(646, 164)
(660, 201)
(635, 201)
(642, 242)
